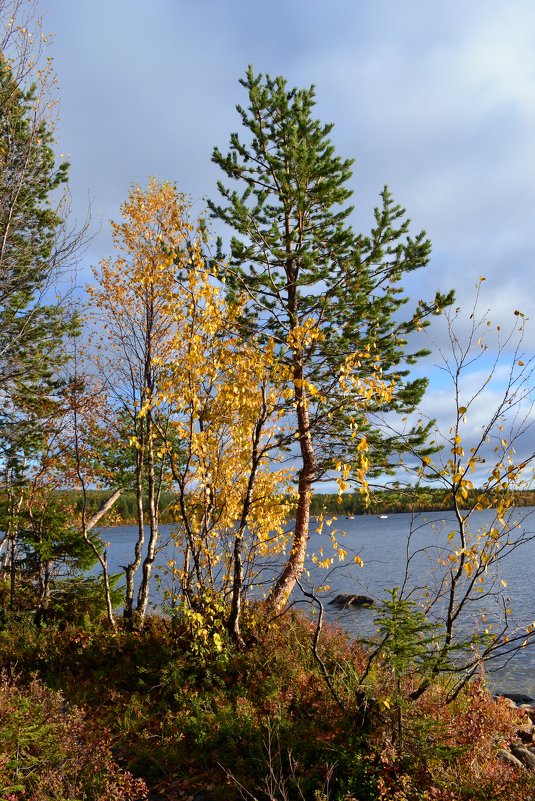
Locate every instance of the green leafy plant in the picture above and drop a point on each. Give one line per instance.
(408, 652)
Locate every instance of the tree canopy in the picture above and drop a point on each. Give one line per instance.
(329, 298)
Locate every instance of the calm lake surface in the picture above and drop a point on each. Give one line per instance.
(383, 545)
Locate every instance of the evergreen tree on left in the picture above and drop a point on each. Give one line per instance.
(36, 245)
(33, 244)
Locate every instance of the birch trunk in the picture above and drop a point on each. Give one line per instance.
(131, 569)
(153, 500)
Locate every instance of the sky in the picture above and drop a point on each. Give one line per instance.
(435, 99)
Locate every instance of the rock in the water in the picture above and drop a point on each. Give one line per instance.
(525, 756)
(516, 698)
(346, 601)
(507, 756)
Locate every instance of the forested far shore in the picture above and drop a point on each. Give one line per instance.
(391, 501)
(408, 499)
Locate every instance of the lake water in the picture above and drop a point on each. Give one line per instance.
(383, 545)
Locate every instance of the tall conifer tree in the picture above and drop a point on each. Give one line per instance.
(35, 245)
(298, 260)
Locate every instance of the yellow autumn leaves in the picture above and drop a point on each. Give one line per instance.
(215, 403)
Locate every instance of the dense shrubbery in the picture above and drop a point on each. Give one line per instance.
(260, 718)
(51, 750)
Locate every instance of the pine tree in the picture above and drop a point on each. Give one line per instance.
(31, 244)
(35, 244)
(326, 295)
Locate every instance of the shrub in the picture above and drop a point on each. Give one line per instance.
(50, 751)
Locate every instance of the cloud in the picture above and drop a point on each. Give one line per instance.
(437, 100)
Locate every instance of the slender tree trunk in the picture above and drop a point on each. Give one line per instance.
(84, 531)
(85, 528)
(234, 622)
(131, 569)
(295, 563)
(106, 506)
(44, 592)
(4, 556)
(102, 558)
(12, 532)
(185, 581)
(13, 569)
(143, 594)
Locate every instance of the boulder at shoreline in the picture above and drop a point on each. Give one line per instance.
(347, 601)
(518, 698)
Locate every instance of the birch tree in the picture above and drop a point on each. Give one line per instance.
(134, 333)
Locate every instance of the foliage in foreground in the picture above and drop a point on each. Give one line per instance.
(185, 717)
(51, 750)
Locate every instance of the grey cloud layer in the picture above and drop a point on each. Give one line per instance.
(435, 99)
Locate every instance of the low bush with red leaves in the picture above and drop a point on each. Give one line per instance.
(50, 751)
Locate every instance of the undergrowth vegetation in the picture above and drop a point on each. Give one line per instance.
(84, 711)
(50, 749)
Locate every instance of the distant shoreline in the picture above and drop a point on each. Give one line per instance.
(400, 501)
(383, 502)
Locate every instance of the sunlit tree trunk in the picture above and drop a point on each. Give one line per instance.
(153, 497)
(84, 529)
(15, 500)
(104, 509)
(295, 563)
(132, 567)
